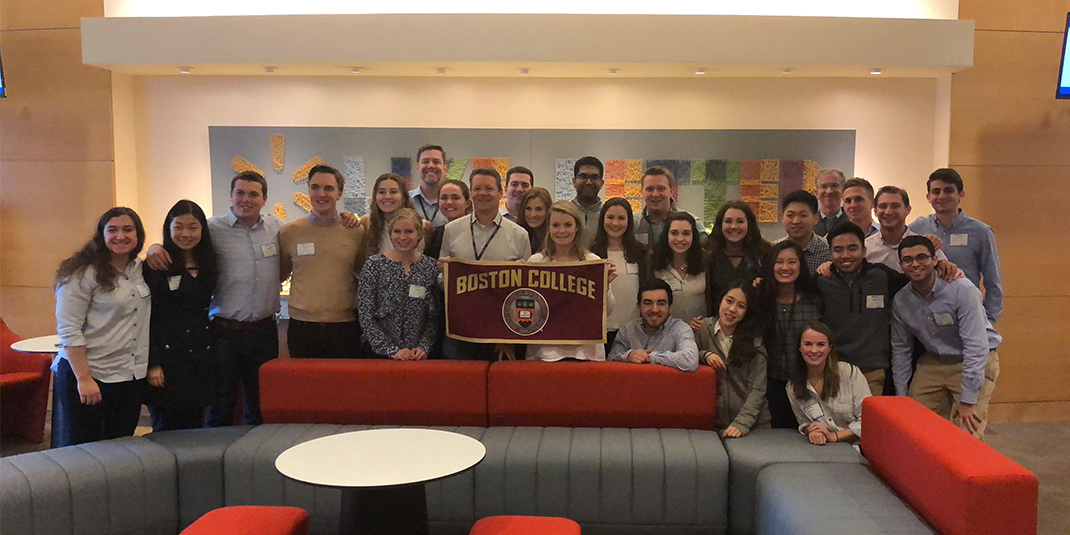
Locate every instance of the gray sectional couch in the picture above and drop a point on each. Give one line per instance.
(609, 480)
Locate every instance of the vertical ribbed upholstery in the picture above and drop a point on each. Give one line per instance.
(123, 486)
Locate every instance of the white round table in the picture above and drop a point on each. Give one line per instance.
(41, 344)
(381, 473)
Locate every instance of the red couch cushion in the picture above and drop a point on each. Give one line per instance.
(9, 380)
(600, 394)
(372, 392)
(957, 483)
(525, 525)
(251, 520)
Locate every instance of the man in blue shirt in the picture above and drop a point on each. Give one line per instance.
(431, 165)
(956, 375)
(968, 243)
(656, 337)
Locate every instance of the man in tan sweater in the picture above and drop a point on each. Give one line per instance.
(322, 255)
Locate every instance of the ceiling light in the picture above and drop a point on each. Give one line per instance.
(184, 70)
(524, 70)
(785, 70)
(700, 70)
(354, 70)
(874, 71)
(269, 70)
(441, 70)
(613, 70)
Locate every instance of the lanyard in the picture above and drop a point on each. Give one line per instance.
(472, 228)
(423, 208)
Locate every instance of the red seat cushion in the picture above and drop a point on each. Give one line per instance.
(600, 394)
(957, 483)
(371, 392)
(525, 525)
(251, 520)
(8, 380)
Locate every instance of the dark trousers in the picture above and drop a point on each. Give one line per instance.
(74, 422)
(239, 355)
(779, 407)
(454, 349)
(310, 340)
(171, 418)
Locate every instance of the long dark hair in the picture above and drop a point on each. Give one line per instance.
(538, 233)
(696, 260)
(634, 252)
(755, 247)
(749, 326)
(203, 253)
(377, 219)
(798, 366)
(770, 288)
(95, 253)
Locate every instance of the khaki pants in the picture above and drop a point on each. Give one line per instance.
(875, 379)
(937, 385)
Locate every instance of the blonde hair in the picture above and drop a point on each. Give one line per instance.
(578, 250)
(411, 215)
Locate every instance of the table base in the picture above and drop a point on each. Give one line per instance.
(400, 510)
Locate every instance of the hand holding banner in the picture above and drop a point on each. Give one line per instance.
(508, 302)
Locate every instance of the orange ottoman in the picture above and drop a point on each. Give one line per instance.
(525, 525)
(251, 519)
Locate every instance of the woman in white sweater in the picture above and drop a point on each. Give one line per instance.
(825, 394)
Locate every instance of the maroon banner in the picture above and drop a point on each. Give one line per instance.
(509, 302)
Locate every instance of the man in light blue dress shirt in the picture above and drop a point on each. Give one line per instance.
(969, 243)
(656, 337)
(956, 375)
(431, 166)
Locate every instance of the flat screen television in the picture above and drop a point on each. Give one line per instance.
(3, 86)
(1064, 67)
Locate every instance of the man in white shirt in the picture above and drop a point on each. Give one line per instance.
(518, 181)
(893, 207)
(431, 166)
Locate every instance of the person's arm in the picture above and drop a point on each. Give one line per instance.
(902, 346)
(445, 251)
(72, 307)
(796, 408)
(286, 263)
(370, 283)
(157, 329)
(859, 392)
(157, 258)
(973, 328)
(752, 407)
(990, 276)
(685, 358)
(618, 352)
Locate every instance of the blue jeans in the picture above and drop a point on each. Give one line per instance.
(239, 355)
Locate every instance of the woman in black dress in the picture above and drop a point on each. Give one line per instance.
(735, 248)
(181, 371)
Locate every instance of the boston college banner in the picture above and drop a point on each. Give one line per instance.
(516, 303)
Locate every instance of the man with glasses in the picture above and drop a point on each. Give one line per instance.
(587, 179)
(830, 196)
(957, 373)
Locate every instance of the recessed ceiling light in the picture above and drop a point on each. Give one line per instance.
(184, 70)
(874, 71)
(441, 70)
(785, 70)
(612, 70)
(524, 70)
(269, 69)
(354, 70)
(700, 70)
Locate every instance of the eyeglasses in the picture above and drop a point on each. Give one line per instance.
(588, 177)
(921, 259)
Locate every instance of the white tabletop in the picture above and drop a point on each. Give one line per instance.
(380, 457)
(41, 344)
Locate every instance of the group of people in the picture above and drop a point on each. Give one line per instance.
(799, 331)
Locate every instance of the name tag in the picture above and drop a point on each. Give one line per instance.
(944, 318)
(269, 250)
(417, 292)
(874, 301)
(959, 240)
(631, 269)
(675, 285)
(306, 249)
(143, 290)
(174, 282)
(814, 411)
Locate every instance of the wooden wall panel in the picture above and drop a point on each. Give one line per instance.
(1032, 359)
(29, 311)
(57, 108)
(1031, 15)
(27, 15)
(1003, 110)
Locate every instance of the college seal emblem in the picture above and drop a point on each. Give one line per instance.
(525, 311)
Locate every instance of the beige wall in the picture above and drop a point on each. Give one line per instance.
(1009, 140)
(55, 153)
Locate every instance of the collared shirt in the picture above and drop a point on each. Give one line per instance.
(843, 411)
(825, 223)
(873, 228)
(647, 231)
(591, 215)
(112, 326)
(505, 213)
(248, 288)
(507, 240)
(673, 344)
(950, 321)
(970, 244)
(879, 251)
(816, 252)
(427, 209)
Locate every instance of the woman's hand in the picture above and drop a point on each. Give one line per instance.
(157, 258)
(817, 438)
(731, 432)
(505, 352)
(156, 376)
(402, 354)
(349, 219)
(695, 323)
(714, 361)
(825, 270)
(89, 391)
(419, 354)
(612, 268)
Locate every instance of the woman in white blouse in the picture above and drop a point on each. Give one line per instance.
(825, 394)
(564, 244)
(102, 316)
(678, 259)
(389, 197)
(616, 241)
